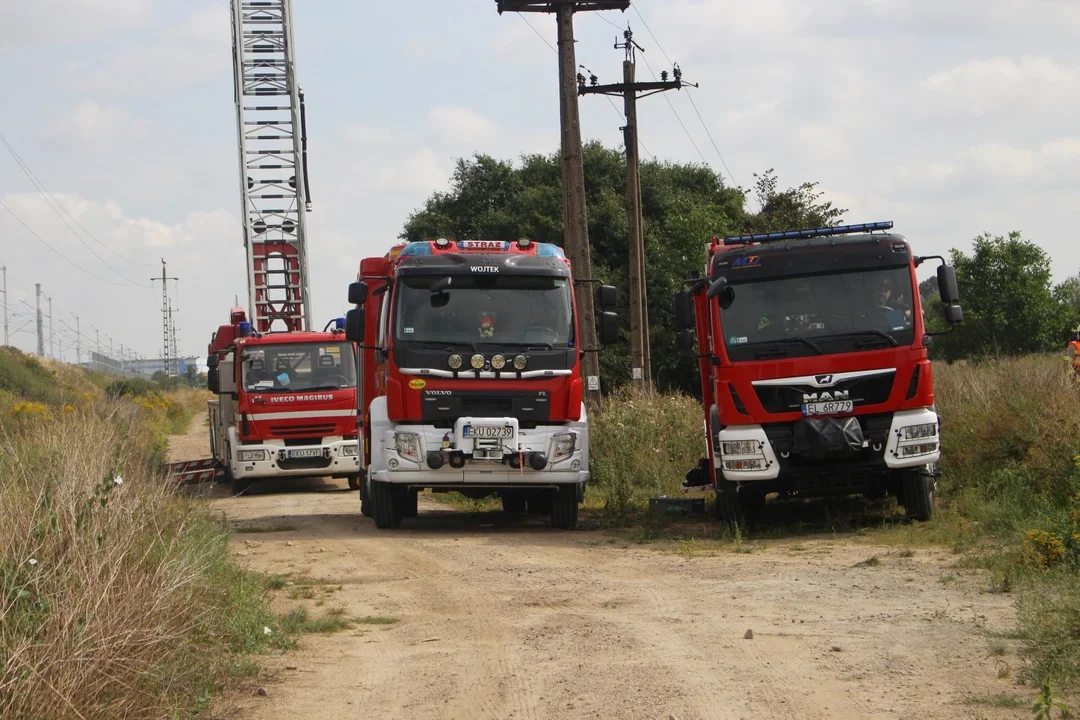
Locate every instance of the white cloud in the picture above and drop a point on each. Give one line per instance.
(29, 23)
(1032, 84)
(91, 122)
(370, 135)
(418, 172)
(454, 126)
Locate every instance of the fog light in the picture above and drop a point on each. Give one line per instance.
(477, 361)
(435, 460)
(498, 362)
(744, 465)
(918, 449)
(350, 450)
(457, 461)
(739, 447)
(251, 455)
(520, 362)
(537, 461)
(454, 361)
(393, 463)
(575, 465)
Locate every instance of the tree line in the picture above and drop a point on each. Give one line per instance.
(683, 205)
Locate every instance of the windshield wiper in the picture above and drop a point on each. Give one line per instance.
(335, 386)
(527, 346)
(443, 345)
(881, 334)
(796, 339)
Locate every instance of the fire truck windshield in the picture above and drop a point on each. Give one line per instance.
(819, 314)
(501, 310)
(298, 367)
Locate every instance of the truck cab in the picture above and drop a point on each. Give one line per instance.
(812, 350)
(470, 367)
(285, 406)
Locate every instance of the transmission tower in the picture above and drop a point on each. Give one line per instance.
(168, 341)
(271, 129)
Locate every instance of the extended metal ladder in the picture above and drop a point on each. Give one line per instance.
(273, 164)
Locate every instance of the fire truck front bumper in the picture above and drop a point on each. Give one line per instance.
(491, 452)
(273, 460)
(828, 446)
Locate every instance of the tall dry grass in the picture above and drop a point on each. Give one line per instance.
(117, 599)
(641, 445)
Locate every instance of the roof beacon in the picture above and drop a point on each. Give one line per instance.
(806, 234)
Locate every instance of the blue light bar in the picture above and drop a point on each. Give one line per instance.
(419, 247)
(549, 250)
(805, 234)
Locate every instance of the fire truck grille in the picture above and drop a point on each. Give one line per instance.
(302, 431)
(789, 398)
(442, 408)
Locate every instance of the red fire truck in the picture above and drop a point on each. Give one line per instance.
(812, 349)
(286, 403)
(470, 367)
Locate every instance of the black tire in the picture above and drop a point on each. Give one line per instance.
(539, 502)
(515, 502)
(410, 499)
(918, 494)
(237, 485)
(564, 507)
(355, 481)
(386, 504)
(365, 500)
(738, 508)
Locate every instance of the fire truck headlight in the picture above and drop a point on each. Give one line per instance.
(407, 445)
(454, 361)
(251, 455)
(739, 447)
(498, 362)
(351, 450)
(564, 446)
(520, 362)
(477, 361)
(918, 432)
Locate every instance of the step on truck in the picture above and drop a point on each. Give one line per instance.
(470, 366)
(285, 405)
(815, 380)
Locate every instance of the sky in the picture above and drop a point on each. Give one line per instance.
(949, 118)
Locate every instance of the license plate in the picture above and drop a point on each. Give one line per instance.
(835, 407)
(506, 431)
(304, 453)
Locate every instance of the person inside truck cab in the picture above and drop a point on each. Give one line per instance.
(886, 307)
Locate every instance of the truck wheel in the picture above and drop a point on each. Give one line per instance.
(514, 502)
(365, 499)
(386, 504)
(918, 494)
(738, 508)
(564, 507)
(409, 501)
(538, 502)
(355, 481)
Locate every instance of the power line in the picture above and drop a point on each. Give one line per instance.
(44, 192)
(705, 127)
(75, 265)
(553, 49)
(677, 117)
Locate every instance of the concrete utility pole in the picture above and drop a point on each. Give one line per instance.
(52, 338)
(640, 360)
(574, 213)
(40, 326)
(7, 334)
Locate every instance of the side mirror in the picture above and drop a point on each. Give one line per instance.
(212, 360)
(606, 296)
(212, 383)
(721, 289)
(608, 323)
(947, 287)
(954, 314)
(684, 310)
(684, 341)
(358, 292)
(354, 326)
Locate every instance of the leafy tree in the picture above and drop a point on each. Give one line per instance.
(683, 205)
(191, 374)
(1010, 305)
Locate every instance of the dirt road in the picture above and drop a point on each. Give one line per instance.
(499, 617)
